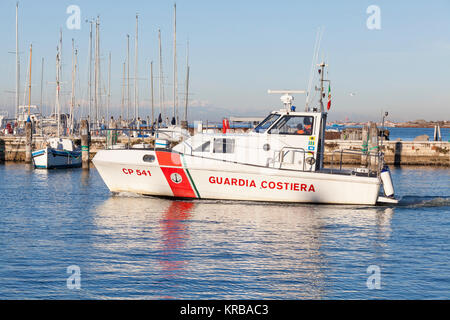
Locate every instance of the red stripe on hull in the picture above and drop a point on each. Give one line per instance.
(179, 182)
(176, 177)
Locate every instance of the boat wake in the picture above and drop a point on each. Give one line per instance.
(423, 202)
(127, 195)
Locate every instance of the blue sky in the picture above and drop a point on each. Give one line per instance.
(239, 49)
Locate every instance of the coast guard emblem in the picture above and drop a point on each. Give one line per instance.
(176, 178)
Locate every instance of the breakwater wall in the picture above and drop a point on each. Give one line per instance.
(427, 153)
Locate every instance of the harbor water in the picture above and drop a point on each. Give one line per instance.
(409, 134)
(132, 247)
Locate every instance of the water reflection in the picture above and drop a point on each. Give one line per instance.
(235, 250)
(174, 230)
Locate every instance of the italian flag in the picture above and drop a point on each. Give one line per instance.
(329, 97)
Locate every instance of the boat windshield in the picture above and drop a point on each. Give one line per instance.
(294, 125)
(267, 123)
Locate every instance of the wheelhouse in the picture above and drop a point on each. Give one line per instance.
(284, 140)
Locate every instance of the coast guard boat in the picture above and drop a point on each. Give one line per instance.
(281, 160)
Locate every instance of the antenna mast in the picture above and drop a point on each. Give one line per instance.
(322, 87)
(314, 63)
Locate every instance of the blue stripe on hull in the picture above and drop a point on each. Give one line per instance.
(66, 166)
(37, 154)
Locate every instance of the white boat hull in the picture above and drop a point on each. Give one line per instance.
(50, 158)
(184, 176)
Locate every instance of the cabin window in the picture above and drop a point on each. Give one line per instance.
(224, 145)
(294, 125)
(204, 147)
(149, 158)
(267, 123)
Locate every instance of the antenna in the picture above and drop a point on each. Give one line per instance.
(319, 36)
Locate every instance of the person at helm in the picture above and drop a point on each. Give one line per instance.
(307, 126)
(300, 129)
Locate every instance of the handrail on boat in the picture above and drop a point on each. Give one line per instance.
(378, 156)
(281, 154)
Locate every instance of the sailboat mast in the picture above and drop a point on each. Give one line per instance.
(60, 52)
(187, 95)
(161, 89)
(57, 94)
(96, 72)
(175, 83)
(128, 78)
(90, 74)
(152, 92)
(75, 89)
(187, 83)
(109, 88)
(42, 85)
(29, 83)
(72, 100)
(136, 103)
(123, 91)
(17, 62)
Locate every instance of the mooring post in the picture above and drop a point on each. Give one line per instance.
(112, 133)
(365, 145)
(85, 143)
(28, 141)
(373, 145)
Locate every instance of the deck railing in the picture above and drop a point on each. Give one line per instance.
(370, 160)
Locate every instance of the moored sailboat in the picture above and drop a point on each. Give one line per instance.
(58, 152)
